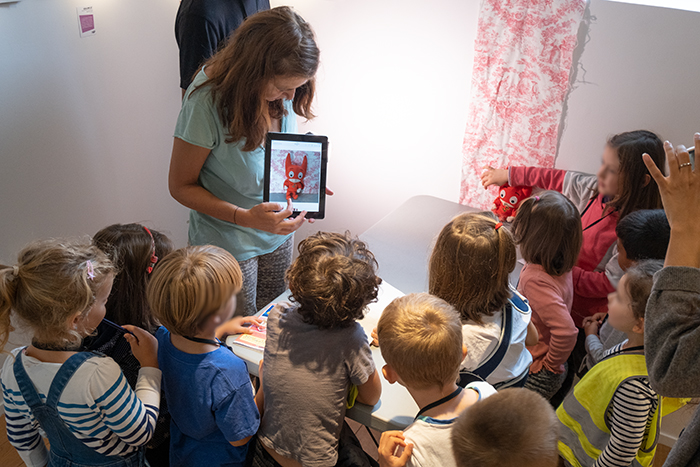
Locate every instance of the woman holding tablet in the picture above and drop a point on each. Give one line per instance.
(257, 83)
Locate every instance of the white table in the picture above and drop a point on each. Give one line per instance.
(401, 242)
(396, 408)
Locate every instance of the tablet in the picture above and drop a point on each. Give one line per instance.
(295, 169)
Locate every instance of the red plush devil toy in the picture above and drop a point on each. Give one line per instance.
(509, 198)
(295, 177)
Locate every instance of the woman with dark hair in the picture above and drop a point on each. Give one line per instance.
(259, 82)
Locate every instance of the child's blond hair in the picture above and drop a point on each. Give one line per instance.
(420, 337)
(514, 428)
(190, 285)
(51, 282)
(470, 265)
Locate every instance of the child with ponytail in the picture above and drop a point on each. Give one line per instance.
(79, 400)
(469, 268)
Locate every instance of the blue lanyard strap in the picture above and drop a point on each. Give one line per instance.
(448, 397)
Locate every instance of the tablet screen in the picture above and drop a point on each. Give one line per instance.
(295, 172)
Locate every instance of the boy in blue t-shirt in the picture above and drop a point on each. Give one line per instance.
(207, 387)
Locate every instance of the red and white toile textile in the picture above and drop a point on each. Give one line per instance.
(523, 55)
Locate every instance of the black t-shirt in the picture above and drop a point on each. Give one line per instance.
(201, 27)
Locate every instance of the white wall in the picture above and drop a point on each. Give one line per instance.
(641, 72)
(86, 124)
(393, 91)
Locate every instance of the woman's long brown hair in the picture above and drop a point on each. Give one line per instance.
(269, 44)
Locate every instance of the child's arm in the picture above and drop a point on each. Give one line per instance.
(532, 337)
(594, 347)
(555, 316)
(23, 435)
(236, 326)
(131, 415)
(632, 407)
(234, 406)
(388, 445)
(370, 392)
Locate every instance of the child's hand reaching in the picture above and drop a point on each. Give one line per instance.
(390, 444)
(235, 326)
(591, 324)
(375, 338)
(143, 345)
(491, 176)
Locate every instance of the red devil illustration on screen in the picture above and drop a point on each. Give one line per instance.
(295, 177)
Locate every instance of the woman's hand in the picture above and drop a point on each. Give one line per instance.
(143, 345)
(270, 217)
(680, 194)
(375, 338)
(491, 176)
(388, 445)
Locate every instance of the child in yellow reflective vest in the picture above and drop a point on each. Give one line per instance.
(612, 416)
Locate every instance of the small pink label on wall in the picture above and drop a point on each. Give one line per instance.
(86, 21)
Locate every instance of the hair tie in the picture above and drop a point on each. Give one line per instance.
(154, 258)
(15, 270)
(90, 270)
(537, 198)
(498, 226)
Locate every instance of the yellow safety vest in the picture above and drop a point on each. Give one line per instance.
(584, 432)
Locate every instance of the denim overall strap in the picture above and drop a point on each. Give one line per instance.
(66, 449)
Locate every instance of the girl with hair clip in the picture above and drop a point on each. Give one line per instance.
(469, 268)
(80, 400)
(134, 250)
(259, 82)
(546, 280)
(622, 185)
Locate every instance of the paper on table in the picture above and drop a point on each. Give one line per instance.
(256, 339)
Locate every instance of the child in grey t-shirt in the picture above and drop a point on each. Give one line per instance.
(315, 351)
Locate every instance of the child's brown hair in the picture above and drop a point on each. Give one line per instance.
(640, 279)
(131, 248)
(548, 230)
(514, 428)
(191, 285)
(470, 264)
(333, 279)
(420, 336)
(51, 282)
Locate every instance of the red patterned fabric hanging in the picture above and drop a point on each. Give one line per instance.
(523, 55)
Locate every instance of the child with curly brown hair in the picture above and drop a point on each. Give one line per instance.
(315, 351)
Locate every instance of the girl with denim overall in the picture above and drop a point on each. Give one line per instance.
(79, 400)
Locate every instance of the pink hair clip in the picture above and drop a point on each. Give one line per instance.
(90, 270)
(537, 198)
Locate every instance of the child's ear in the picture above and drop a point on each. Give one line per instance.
(647, 179)
(639, 327)
(75, 320)
(389, 374)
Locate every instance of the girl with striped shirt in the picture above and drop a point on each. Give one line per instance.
(612, 417)
(80, 401)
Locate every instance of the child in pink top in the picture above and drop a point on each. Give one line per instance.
(621, 186)
(548, 230)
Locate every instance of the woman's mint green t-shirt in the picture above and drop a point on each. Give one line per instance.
(228, 173)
